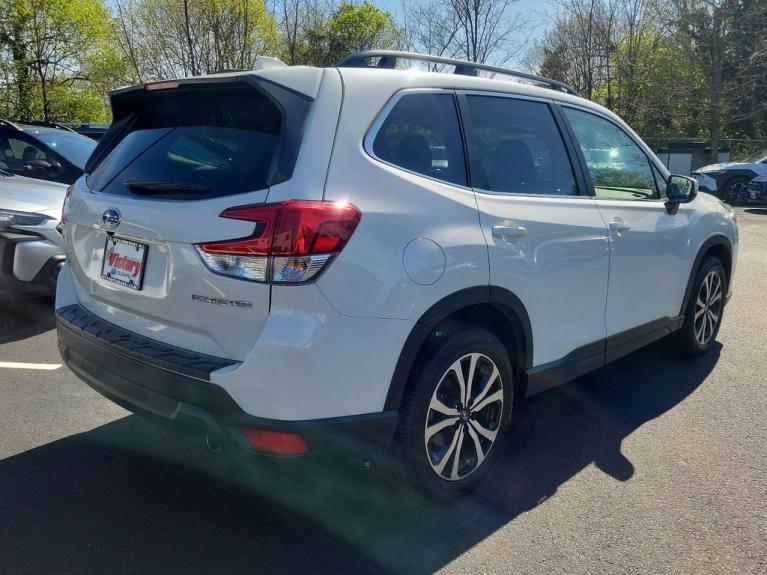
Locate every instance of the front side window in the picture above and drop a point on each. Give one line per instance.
(619, 168)
(660, 181)
(518, 148)
(74, 147)
(421, 134)
(22, 155)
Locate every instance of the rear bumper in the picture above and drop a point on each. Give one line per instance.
(156, 380)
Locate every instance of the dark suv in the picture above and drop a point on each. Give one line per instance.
(45, 151)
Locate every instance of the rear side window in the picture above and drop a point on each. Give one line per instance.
(195, 141)
(518, 148)
(421, 134)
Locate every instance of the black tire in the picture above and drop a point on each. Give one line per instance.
(688, 340)
(730, 193)
(413, 459)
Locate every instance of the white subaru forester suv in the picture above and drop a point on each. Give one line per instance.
(298, 260)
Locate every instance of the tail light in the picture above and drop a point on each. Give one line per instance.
(291, 243)
(61, 226)
(64, 206)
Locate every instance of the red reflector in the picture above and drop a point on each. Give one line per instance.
(280, 442)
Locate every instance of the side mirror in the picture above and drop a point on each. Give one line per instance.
(679, 190)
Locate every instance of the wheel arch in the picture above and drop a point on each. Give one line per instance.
(728, 175)
(491, 307)
(718, 246)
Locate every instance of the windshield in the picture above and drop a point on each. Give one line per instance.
(73, 147)
(756, 158)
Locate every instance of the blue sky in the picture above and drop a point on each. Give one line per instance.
(535, 8)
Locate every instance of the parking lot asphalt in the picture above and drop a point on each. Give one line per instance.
(651, 465)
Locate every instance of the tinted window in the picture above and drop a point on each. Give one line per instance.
(421, 134)
(217, 142)
(73, 147)
(518, 147)
(16, 153)
(660, 181)
(619, 168)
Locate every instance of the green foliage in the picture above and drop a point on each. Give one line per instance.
(47, 52)
(671, 68)
(657, 86)
(350, 28)
(176, 38)
(357, 27)
(78, 103)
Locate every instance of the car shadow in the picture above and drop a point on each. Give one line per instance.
(756, 211)
(25, 318)
(134, 497)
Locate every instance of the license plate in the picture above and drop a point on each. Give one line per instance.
(123, 262)
(753, 195)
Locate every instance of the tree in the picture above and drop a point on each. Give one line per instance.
(177, 38)
(431, 29)
(579, 47)
(475, 30)
(356, 27)
(728, 39)
(298, 21)
(658, 87)
(48, 46)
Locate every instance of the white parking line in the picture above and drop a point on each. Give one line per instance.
(40, 366)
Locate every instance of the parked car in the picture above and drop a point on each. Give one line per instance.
(291, 258)
(43, 151)
(729, 181)
(31, 246)
(757, 191)
(92, 131)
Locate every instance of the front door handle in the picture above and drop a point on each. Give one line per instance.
(620, 226)
(509, 233)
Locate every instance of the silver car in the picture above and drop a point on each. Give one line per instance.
(31, 246)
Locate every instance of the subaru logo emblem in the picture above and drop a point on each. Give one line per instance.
(111, 218)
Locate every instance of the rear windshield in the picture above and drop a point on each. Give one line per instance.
(193, 141)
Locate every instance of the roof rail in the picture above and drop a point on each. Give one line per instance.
(9, 124)
(388, 59)
(44, 124)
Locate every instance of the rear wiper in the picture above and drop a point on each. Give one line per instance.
(160, 187)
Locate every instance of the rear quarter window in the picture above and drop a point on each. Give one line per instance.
(421, 134)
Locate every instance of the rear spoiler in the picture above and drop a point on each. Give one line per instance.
(126, 101)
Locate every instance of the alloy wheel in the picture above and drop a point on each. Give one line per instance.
(738, 194)
(464, 416)
(708, 307)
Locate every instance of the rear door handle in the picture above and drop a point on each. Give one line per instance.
(620, 226)
(509, 233)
